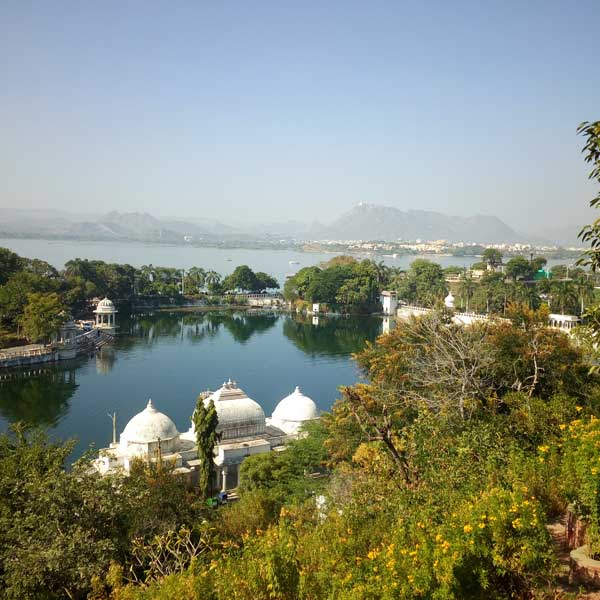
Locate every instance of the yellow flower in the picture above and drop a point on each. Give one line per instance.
(516, 523)
(594, 471)
(481, 525)
(543, 448)
(467, 528)
(579, 408)
(562, 426)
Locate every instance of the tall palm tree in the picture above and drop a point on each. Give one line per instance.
(585, 290)
(564, 294)
(212, 278)
(196, 277)
(467, 289)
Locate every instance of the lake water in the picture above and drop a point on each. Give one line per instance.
(172, 357)
(274, 262)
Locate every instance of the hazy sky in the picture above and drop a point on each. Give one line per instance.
(274, 110)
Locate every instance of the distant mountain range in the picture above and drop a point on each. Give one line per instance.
(363, 222)
(373, 222)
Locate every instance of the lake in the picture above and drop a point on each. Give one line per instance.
(274, 262)
(171, 357)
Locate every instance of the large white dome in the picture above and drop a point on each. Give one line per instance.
(296, 408)
(148, 426)
(239, 416)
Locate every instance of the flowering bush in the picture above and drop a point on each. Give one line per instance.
(581, 473)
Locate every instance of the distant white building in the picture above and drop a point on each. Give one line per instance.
(563, 322)
(389, 301)
(244, 431)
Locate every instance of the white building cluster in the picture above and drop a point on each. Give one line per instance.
(242, 426)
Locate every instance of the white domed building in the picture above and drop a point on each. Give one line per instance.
(150, 435)
(105, 316)
(242, 426)
(293, 411)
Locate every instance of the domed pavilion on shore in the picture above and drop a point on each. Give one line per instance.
(242, 427)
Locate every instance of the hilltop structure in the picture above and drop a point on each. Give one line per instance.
(242, 426)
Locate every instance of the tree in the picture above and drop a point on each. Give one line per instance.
(585, 290)
(467, 289)
(490, 295)
(563, 296)
(42, 317)
(213, 281)
(59, 529)
(9, 263)
(265, 282)
(14, 294)
(195, 279)
(424, 283)
(492, 257)
(243, 278)
(205, 421)
(591, 233)
(519, 267)
(296, 287)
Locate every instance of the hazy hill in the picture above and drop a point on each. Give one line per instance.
(363, 222)
(373, 222)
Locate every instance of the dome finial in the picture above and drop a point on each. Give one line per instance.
(150, 405)
(297, 390)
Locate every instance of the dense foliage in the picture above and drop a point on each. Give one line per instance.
(434, 479)
(35, 298)
(343, 283)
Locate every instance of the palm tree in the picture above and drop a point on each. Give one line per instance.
(212, 278)
(467, 289)
(196, 277)
(382, 273)
(585, 290)
(565, 294)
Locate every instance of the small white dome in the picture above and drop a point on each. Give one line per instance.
(449, 300)
(148, 426)
(105, 306)
(296, 408)
(239, 416)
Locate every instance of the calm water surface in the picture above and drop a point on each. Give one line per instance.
(172, 357)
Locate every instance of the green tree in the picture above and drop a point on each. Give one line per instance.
(519, 267)
(492, 257)
(9, 263)
(424, 283)
(205, 421)
(14, 294)
(265, 282)
(195, 280)
(213, 281)
(591, 151)
(42, 317)
(467, 288)
(296, 287)
(243, 278)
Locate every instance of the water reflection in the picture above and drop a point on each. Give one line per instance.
(331, 336)
(197, 326)
(172, 355)
(39, 396)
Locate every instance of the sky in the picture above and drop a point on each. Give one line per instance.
(269, 111)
